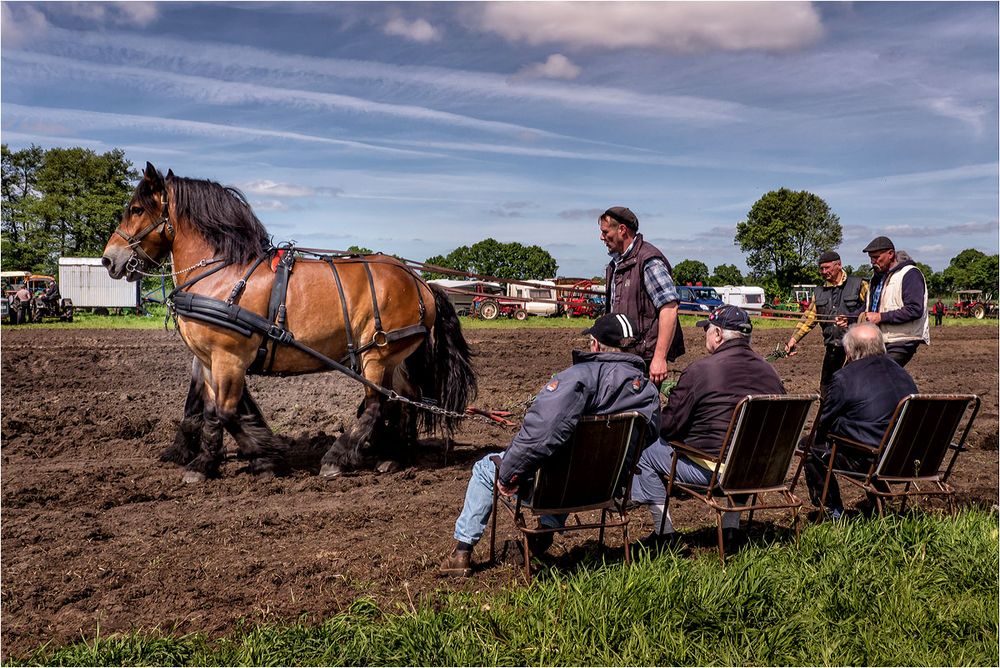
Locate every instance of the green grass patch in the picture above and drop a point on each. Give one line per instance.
(920, 589)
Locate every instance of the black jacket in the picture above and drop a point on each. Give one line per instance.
(861, 398)
(702, 403)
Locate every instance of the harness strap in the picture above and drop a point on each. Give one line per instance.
(375, 313)
(276, 306)
(242, 283)
(192, 281)
(347, 316)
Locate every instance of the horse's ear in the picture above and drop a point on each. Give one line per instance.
(170, 175)
(153, 178)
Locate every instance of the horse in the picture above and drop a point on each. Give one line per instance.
(242, 305)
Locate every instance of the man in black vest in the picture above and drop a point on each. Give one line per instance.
(640, 284)
(835, 305)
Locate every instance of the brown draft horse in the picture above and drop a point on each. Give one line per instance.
(215, 241)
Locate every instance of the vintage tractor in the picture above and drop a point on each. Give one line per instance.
(973, 304)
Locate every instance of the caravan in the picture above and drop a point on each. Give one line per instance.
(747, 297)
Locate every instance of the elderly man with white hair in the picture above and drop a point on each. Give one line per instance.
(859, 404)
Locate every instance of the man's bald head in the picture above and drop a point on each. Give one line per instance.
(863, 340)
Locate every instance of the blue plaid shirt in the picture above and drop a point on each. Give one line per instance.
(657, 280)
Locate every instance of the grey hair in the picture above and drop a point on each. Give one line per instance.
(863, 340)
(730, 334)
(903, 256)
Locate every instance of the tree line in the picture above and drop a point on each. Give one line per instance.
(68, 201)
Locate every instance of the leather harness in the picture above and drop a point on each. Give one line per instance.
(230, 315)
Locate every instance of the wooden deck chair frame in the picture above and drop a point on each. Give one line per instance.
(754, 460)
(586, 474)
(912, 451)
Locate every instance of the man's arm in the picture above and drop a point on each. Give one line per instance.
(806, 323)
(662, 291)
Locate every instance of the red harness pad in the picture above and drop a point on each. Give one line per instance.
(276, 259)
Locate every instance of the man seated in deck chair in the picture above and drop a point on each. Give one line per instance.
(602, 381)
(698, 414)
(859, 405)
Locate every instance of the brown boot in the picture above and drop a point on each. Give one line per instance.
(457, 564)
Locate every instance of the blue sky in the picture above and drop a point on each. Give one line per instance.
(414, 128)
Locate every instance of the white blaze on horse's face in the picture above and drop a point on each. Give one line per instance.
(139, 242)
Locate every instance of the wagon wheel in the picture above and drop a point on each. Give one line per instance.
(978, 312)
(489, 310)
(520, 314)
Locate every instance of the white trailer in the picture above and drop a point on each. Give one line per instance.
(747, 297)
(87, 283)
(541, 290)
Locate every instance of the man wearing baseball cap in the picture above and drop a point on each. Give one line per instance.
(835, 304)
(897, 301)
(640, 284)
(698, 415)
(601, 381)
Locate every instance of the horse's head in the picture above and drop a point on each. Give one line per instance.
(144, 236)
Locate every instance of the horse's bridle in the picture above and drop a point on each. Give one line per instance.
(139, 255)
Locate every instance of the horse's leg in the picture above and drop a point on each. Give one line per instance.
(187, 440)
(254, 438)
(395, 435)
(345, 454)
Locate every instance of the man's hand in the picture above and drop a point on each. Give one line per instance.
(658, 370)
(873, 317)
(841, 321)
(505, 490)
(790, 347)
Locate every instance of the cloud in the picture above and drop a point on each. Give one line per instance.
(580, 214)
(418, 30)
(949, 107)
(139, 14)
(20, 24)
(671, 26)
(557, 66)
(273, 189)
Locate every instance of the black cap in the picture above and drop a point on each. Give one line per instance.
(729, 317)
(614, 329)
(829, 256)
(879, 244)
(623, 215)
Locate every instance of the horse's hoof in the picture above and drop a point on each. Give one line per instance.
(388, 466)
(193, 478)
(330, 471)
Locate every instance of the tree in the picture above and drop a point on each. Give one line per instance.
(489, 257)
(64, 201)
(784, 233)
(726, 274)
(690, 271)
(360, 250)
(971, 270)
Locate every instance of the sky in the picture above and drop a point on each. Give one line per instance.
(414, 128)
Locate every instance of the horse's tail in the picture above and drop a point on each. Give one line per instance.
(442, 367)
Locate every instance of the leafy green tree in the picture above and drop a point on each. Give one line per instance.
(360, 250)
(690, 271)
(784, 233)
(862, 270)
(726, 274)
(490, 257)
(971, 270)
(64, 201)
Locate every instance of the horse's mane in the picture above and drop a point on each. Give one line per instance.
(222, 215)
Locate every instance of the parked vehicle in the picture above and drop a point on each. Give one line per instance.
(86, 283)
(973, 304)
(698, 298)
(581, 304)
(747, 297)
(463, 293)
(13, 310)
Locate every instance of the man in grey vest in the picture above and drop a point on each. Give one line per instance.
(640, 284)
(835, 305)
(897, 301)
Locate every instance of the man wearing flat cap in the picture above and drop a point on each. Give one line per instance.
(698, 414)
(835, 305)
(640, 284)
(897, 301)
(601, 381)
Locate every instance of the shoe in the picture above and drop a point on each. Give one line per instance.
(457, 564)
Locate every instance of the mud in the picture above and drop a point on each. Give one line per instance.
(97, 533)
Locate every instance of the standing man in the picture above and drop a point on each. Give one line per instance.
(835, 304)
(602, 381)
(640, 285)
(897, 301)
(938, 312)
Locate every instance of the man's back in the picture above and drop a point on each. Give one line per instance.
(862, 398)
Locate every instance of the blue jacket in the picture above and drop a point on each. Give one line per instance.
(596, 384)
(861, 399)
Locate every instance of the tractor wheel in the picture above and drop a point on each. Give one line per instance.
(520, 314)
(489, 310)
(978, 312)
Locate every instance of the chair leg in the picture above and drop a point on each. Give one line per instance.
(493, 526)
(600, 533)
(527, 558)
(902, 501)
(722, 548)
(753, 502)
(628, 552)
(826, 483)
(797, 525)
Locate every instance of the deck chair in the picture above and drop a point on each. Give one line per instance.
(913, 450)
(754, 460)
(592, 472)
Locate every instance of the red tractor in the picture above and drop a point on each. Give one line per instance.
(582, 304)
(972, 304)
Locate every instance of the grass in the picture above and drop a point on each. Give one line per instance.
(919, 589)
(84, 320)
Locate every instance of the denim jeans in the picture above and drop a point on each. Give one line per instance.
(648, 487)
(471, 523)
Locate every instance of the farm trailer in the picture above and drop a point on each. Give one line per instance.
(87, 283)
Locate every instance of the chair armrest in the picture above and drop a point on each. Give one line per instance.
(851, 443)
(497, 460)
(685, 449)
